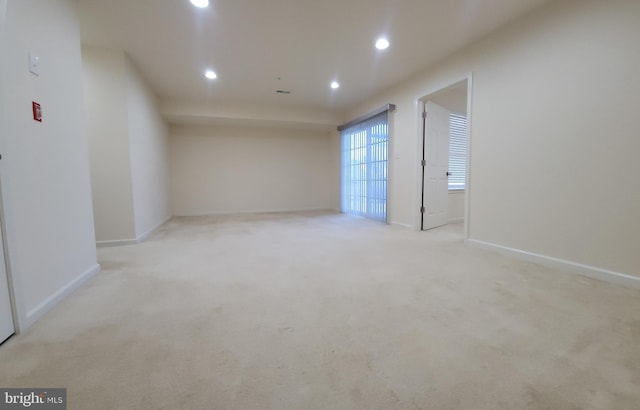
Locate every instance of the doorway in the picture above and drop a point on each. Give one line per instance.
(364, 165)
(444, 156)
(7, 327)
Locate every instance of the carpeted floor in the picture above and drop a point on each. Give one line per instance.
(328, 311)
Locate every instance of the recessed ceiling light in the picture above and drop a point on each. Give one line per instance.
(335, 85)
(382, 43)
(200, 3)
(210, 74)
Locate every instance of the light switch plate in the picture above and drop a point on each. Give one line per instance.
(34, 64)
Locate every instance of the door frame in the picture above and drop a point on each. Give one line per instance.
(419, 103)
(7, 268)
(12, 280)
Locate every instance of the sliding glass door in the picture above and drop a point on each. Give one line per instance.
(364, 168)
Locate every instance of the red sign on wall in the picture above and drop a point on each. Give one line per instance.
(37, 111)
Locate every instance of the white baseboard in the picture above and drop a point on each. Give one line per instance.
(257, 211)
(37, 312)
(403, 225)
(586, 270)
(143, 237)
(119, 242)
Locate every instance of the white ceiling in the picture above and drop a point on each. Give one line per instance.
(306, 43)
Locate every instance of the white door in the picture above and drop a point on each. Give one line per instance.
(6, 320)
(435, 193)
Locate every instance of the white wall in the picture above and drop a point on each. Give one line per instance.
(149, 152)
(249, 115)
(455, 207)
(45, 166)
(454, 100)
(335, 142)
(239, 169)
(554, 135)
(129, 148)
(105, 95)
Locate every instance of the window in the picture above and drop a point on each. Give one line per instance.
(457, 151)
(364, 167)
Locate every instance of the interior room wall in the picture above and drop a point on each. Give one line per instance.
(128, 141)
(553, 136)
(44, 170)
(455, 207)
(454, 100)
(254, 115)
(105, 95)
(335, 140)
(217, 170)
(149, 153)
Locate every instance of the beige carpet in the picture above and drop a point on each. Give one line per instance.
(328, 311)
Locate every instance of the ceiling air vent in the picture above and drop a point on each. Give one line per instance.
(283, 92)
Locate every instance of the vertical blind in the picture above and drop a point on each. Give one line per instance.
(457, 151)
(364, 168)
